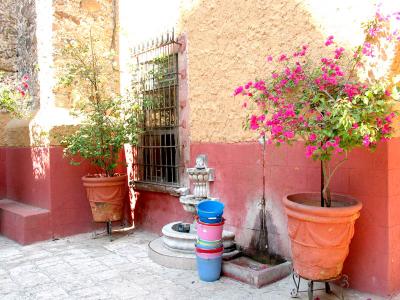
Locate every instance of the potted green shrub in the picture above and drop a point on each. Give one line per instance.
(324, 105)
(107, 122)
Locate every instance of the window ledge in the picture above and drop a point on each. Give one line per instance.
(176, 191)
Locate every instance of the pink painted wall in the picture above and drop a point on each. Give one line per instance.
(27, 175)
(238, 183)
(41, 177)
(154, 210)
(393, 214)
(3, 185)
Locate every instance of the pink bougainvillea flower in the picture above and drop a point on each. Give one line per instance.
(276, 129)
(388, 93)
(312, 137)
(355, 126)
(269, 58)
(275, 75)
(253, 123)
(373, 31)
(329, 41)
(21, 91)
(386, 129)
(282, 57)
(352, 90)
(388, 118)
(25, 77)
(260, 85)
(289, 134)
(238, 90)
(310, 150)
(367, 49)
(338, 52)
(366, 141)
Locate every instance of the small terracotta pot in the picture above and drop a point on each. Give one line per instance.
(106, 196)
(320, 236)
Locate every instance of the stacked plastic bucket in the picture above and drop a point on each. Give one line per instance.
(209, 247)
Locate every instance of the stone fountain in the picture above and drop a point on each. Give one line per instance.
(176, 248)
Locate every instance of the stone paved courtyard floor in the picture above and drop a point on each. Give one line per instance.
(81, 267)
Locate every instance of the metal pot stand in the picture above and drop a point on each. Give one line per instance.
(109, 230)
(342, 280)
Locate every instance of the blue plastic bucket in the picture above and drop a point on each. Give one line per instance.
(210, 211)
(209, 269)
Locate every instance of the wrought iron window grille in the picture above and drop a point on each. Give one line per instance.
(156, 84)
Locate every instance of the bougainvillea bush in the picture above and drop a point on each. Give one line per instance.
(323, 103)
(13, 96)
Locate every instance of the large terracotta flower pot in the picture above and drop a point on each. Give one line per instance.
(320, 236)
(106, 196)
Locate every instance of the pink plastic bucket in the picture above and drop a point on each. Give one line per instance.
(209, 232)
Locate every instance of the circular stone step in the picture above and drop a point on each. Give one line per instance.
(169, 258)
(174, 259)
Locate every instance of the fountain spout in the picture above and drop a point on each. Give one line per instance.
(201, 176)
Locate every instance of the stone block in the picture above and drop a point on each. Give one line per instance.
(90, 5)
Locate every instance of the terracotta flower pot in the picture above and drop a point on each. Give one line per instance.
(320, 236)
(106, 196)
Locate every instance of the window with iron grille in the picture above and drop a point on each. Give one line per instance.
(156, 84)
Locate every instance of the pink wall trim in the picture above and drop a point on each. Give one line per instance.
(154, 210)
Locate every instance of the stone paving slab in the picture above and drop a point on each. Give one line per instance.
(81, 267)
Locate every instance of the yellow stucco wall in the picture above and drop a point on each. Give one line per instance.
(228, 41)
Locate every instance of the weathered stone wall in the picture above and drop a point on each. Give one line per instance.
(18, 55)
(8, 35)
(27, 55)
(228, 41)
(18, 49)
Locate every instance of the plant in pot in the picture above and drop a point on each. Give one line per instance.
(107, 122)
(327, 107)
